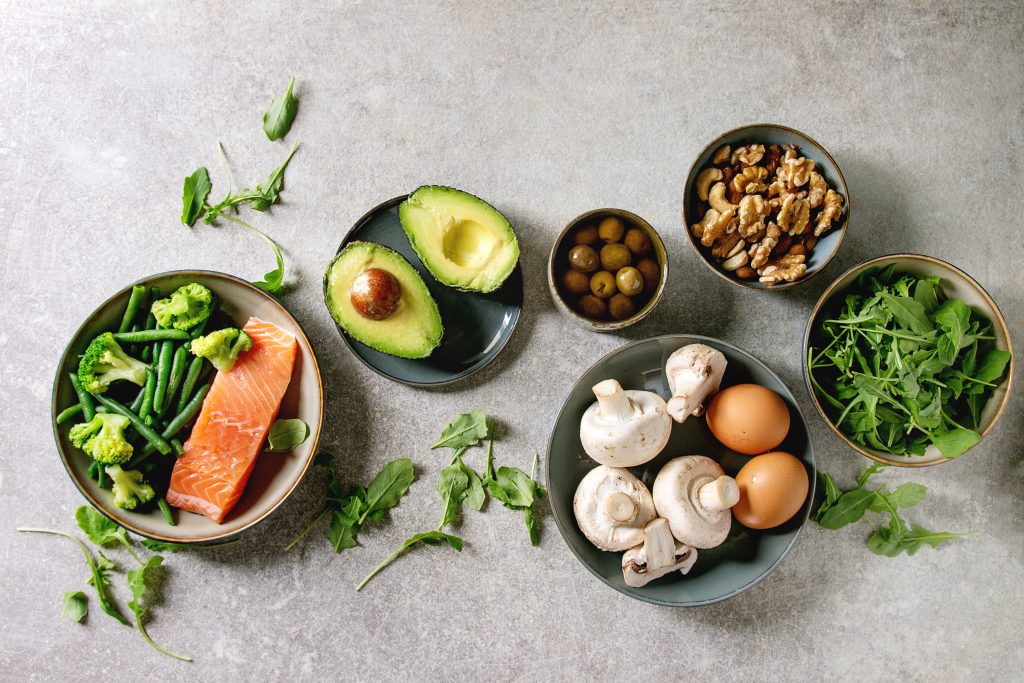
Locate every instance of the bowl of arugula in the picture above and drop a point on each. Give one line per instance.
(908, 359)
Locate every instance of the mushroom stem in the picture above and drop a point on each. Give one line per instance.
(620, 507)
(719, 494)
(659, 544)
(614, 402)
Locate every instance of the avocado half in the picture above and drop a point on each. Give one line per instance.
(462, 240)
(414, 330)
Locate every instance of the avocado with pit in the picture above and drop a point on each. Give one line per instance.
(462, 240)
(379, 299)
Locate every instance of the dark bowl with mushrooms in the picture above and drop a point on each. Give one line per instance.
(765, 207)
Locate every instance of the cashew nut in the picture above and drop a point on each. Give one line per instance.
(716, 197)
(737, 248)
(736, 261)
(721, 154)
(704, 180)
(708, 221)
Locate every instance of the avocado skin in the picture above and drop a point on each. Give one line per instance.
(381, 335)
(504, 266)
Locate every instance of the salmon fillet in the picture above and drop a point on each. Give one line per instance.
(221, 451)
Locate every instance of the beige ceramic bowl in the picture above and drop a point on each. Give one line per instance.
(558, 264)
(274, 477)
(956, 285)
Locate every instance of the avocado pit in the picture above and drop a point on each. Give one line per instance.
(375, 293)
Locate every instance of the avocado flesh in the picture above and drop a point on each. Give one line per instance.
(462, 240)
(413, 331)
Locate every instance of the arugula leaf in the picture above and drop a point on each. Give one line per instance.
(427, 538)
(98, 573)
(103, 531)
(532, 527)
(277, 121)
(343, 532)
(905, 496)
(273, 280)
(992, 366)
(76, 606)
(954, 316)
(168, 547)
(466, 430)
(475, 495)
(193, 196)
(452, 485)
(908, 312)
(388, 487)
(140, 579)
(517, 488)
(285, 435)
(259, 199)
(489, 474)
(955, 442)
(850, 508)
(884, 542)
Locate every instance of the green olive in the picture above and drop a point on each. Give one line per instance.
(615, 256)
(638, 241)
(576, 282)
(651, 274)
(586, 235)
(603, 284)
(583, 259)
(630, 281)
(592, 307)
(611, 229)
(621, 307)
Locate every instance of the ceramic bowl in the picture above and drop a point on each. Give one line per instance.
(274, 477)
(558, 264)
(720, 573)
(769, 134)
(957, 285)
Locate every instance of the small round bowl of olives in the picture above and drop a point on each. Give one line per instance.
(608, 269)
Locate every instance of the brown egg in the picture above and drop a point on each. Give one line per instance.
(748, 418)
(773, 488)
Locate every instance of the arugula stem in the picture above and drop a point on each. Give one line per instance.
(950, 420)
(457, 454)
(224, 168)
(128, 547)
(376, 570)
(145, 636)
(312, 525)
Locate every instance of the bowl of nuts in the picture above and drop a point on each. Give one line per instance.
(607, 269)
(765, 206)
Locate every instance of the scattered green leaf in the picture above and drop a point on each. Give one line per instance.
(466, 430)
(277, 121)
(285, 435)
(76, 606)
(427, 538)
(140, 583)
(193, 197)
(103, 531)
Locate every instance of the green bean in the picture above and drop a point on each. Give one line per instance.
(102, 409)
(84, 397)
(163, 374)
(177, 374)
(148, 391)
(101, 480)
(175, 425)
(138, 292)
(166, 509)
(150, 335)
(179, 450)
(154, 439)
(136, 405)
(195, 368)
(68, 413)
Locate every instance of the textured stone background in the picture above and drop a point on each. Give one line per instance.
(547, 112)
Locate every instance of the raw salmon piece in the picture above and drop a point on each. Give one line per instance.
(219, 455)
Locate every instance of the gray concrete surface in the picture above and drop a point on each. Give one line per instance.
(546, 111)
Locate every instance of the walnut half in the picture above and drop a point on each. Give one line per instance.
(785, 268)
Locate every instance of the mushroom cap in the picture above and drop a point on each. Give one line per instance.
(590, 506)
(637, 574)
(676, 490)
(630, 442)
(694, 372)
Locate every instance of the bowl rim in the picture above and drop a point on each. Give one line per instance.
(811, 489)
(348, 239)
(607, 325)
(756, 286)
(101, 507)
(832, 289)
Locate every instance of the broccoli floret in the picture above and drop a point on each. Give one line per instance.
(103, 438)
(188, 306)
(105, 362)
(222, 347)
(129, 487)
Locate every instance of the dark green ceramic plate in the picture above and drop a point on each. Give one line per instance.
(476, 326)
(720, 573)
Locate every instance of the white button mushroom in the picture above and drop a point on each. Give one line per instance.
(660, 554)
(694, 372)
(694, 495)
(624, 428)
(612, 507)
